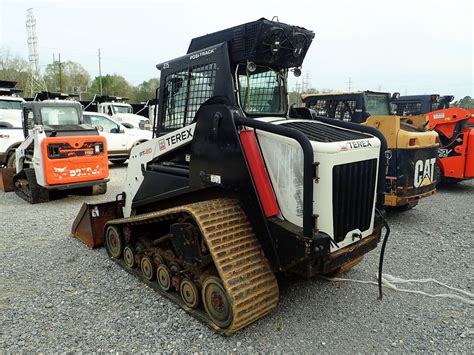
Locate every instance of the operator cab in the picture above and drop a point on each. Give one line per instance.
(55, 118)
(350, 107)
(413, 105)
(250, 74)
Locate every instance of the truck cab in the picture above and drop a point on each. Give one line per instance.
(118, 109)
(11, 134)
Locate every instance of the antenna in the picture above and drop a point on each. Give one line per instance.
(35, 81)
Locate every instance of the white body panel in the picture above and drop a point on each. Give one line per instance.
(146, 152)
(284, 160)
(108, 109)
(10, 138)
(10, 116)
(36, 135)
(120, 142)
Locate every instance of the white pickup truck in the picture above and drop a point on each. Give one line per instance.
(119, 110)
(121, 136)
(11, 132)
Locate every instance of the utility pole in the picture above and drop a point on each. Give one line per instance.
(54, 76)
(60, 74)
(100, 75)
(350, 84)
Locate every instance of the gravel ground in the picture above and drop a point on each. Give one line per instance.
(57, 295)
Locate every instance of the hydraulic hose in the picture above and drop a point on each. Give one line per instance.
(382, 252)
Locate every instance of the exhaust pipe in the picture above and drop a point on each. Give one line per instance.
(91, 219)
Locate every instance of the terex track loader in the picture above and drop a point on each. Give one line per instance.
(232, 190)
(59, 152)
(412, 152)
(455, 127)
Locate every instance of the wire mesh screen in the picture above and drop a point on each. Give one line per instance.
(408, 108)
(261, 92)
(185, 91)
(334, 108)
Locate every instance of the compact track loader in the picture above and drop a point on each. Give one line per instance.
(412, 152)
(232, 190)
(455, 127)
(59, 152)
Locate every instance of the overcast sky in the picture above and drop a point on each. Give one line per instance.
(413, 47)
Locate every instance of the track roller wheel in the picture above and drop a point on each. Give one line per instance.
(129, 257)
(148, 267)
(189, 293)
(163, 276)
(114, 242)
(216, 302)
(158, 259)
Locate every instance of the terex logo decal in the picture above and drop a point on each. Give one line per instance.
(179, 137)
(424, 172)
(359, 144)
(161, 144)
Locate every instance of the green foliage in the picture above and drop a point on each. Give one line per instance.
(146, 90)
(70, 77)
(465, 102)
(114, 84)
(13, 68)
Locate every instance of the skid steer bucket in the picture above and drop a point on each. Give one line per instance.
(91, 219)
(6, 179)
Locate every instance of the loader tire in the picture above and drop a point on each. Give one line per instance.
(11, 162)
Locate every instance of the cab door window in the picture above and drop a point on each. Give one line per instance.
(106, 124)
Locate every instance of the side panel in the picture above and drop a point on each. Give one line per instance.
(72, 159)
(259, 174)
(470, 153)
(415, 171)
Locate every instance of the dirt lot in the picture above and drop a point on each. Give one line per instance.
(57, 295)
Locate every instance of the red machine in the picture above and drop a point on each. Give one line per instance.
(456, 135)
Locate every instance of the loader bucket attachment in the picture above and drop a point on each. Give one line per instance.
(91, 219)
(6, 179)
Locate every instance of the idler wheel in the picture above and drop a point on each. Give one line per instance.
(114, 242)
(163, 277)
(216, 302)
(189, 293)
(148, 267)
(129, 257)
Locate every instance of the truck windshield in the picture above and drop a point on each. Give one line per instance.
(261, 91)
(122, 109)
(58, 116)
(377, 105)
(10, 105)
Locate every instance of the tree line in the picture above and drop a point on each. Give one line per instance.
(71, 77)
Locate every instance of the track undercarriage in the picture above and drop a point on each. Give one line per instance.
(203, 256)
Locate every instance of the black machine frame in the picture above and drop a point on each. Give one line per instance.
(420, 104)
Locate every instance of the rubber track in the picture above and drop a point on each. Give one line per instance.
(238, 256)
